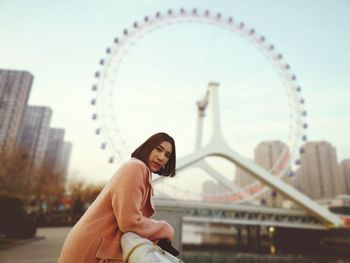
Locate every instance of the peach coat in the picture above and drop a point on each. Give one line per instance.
(124, 205)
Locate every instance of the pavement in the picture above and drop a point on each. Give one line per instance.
(44, 248)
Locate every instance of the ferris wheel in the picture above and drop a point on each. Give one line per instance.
(156, 71)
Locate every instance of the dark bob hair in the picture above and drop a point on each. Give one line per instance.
(143, 151)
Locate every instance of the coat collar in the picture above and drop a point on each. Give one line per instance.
(149, 174)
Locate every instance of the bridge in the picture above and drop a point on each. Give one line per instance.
(238, 214)
(247, 224)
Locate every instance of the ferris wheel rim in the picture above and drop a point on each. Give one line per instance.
(148, 24)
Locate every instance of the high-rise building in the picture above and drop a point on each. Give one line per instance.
(319, 175)
(345, 173)
(243, 178)
(212, 188)
(297, 180)
(215, 191)
(53, 154)
(267, 154)
(65, 158)
(33, 135)
(15, 87)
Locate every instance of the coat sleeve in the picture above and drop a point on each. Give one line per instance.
(127, 198)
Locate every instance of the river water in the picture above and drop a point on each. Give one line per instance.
(194, 251)
(240, 257)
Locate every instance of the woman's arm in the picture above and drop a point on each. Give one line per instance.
(127, 197)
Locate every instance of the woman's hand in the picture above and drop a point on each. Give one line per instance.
(169, 231)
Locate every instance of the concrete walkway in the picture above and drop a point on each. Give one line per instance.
(44, 250)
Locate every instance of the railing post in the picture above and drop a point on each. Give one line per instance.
(174, 218)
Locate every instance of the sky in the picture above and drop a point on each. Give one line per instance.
(61, 43)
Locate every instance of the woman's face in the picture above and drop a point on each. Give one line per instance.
(159, 156)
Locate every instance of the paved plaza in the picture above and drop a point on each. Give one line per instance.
(45, 249)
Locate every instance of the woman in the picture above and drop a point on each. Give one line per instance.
(124, 205)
